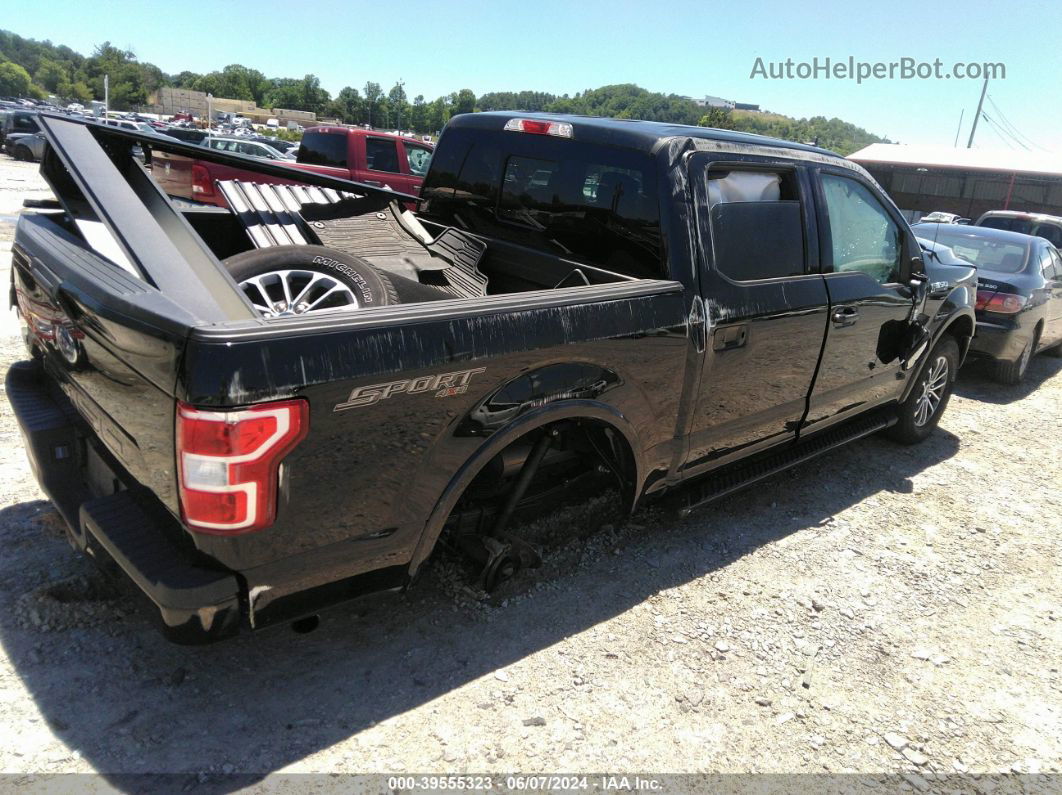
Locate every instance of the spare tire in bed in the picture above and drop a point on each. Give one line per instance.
(282, 281)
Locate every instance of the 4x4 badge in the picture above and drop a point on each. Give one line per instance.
(443, 385)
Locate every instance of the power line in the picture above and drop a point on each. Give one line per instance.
(1011, 126)
(1001, 132)
(1004, 140)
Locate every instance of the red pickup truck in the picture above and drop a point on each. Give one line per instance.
(374, 158)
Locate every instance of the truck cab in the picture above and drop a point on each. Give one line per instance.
(366, 156)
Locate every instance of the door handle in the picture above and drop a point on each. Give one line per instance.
(844, 316)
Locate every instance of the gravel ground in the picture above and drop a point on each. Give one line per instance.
(886, 609)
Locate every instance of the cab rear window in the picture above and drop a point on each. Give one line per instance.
(324, 149)
(591, 203)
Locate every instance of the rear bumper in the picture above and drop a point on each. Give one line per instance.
(197, 603)
(999, 341)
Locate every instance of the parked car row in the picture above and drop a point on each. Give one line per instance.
(18, 124)
(371, 158)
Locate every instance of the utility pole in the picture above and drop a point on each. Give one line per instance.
(106, 95)
(980, 102)
(959, 130)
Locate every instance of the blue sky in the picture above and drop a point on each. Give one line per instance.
(690, 48)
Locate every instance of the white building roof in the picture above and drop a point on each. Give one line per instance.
(1006, 160)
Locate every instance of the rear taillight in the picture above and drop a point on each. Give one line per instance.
(201, 182)
(228, 463)
(561, 129)
(1000, 303)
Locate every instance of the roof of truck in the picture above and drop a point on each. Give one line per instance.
(632, 133)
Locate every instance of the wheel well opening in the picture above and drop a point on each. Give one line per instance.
(962, 330)
(582, 450)
(532, 484)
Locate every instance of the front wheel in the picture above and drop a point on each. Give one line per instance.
(23, 153)
(919, 414)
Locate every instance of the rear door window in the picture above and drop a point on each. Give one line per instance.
(24, 123)
(757, 224)
(381, 154)
(324, 149)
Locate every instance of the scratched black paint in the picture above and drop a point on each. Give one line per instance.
(363, 492)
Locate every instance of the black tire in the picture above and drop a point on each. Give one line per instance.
(912, 427)
(23, 153)
(366, 287)
(1013, 373)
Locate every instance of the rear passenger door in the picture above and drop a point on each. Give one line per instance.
(764, 301)
(383, 165)
(866, 250)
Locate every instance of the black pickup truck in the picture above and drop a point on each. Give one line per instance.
(259, 411)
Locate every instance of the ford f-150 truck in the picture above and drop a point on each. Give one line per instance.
(372, 158)
(261, 411)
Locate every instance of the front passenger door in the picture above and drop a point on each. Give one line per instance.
(1053, 279)
(865, 250)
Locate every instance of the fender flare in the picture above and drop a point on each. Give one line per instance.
(944, 323)
(498, 441)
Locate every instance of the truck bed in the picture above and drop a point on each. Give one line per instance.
(118, 346)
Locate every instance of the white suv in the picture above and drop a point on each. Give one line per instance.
(1048, 227)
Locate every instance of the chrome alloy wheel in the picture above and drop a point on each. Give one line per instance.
(932, 391)
(284, 293)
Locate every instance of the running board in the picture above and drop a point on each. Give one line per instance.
(717, 485)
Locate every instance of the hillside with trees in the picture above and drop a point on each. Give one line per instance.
(40, 69)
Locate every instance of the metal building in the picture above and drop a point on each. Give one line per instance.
(965, 181)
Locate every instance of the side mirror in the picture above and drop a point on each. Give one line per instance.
(919, 284)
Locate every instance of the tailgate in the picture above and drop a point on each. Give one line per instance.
(110, 342)
(110, 291)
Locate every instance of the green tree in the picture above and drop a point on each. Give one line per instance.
(464, 101)
(348, 105)
(130, 81)
(399, 104)
(235, 81)
(372, 98)
(418, 115)
(50, 75)
(718, 118)
(314, 98)
(438, 113)
(185, 79)
(15, 81)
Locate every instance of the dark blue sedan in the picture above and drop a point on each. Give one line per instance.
(1019, 293)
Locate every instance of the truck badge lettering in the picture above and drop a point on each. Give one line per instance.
(443, 385)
